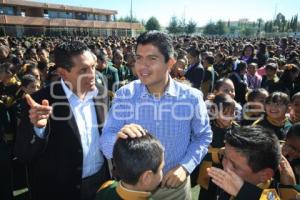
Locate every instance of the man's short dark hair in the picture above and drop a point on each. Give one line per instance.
(160, 40)
(133, 156)
(258, 144)
(64, 52)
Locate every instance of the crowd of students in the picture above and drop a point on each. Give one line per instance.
(250, 87)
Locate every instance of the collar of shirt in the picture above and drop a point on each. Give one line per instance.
(71, 95)
(170, 90)
(210, 67)
(125, 193)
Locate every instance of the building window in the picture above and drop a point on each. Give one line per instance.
(52, 14)
(100, 18)
(46, 15)
(6, 10)
(62, 15)
(80, 16)
(70, 15)
(91, 16)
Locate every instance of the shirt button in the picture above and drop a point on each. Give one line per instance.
(78, 187)
(79, 151)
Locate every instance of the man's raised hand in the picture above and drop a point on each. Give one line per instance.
(38, 114)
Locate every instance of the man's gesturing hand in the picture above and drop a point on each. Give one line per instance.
(38, 114)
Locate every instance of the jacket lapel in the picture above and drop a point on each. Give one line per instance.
(64, 110)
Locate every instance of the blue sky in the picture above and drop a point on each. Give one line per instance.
(201, 11)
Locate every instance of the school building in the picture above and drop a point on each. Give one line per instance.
(27, 18)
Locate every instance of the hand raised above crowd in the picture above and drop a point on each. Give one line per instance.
(38, 113)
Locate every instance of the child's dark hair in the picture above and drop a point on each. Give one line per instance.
(223, 102)
(253, 94)
(294, 131)
(8, 68)
(210, 59)
(27, 79)
(297, 95)
(278, 97)
(220, 82)
(193, 51)
(271, 66)
(258, 144)
(242, 65)
(133, 156)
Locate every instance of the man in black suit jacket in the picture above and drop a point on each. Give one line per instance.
(60, 128)
(195, 71)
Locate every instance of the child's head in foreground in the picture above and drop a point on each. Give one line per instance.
(139, 162)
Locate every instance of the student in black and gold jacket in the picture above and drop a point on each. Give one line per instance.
(276, 107)
(222, 114)
(291, 149)
(251, 158)
(254, 108)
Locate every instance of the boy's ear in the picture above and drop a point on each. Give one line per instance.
(145, 178)
(266, 174)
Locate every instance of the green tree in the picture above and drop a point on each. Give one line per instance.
(233, 29)
(152, 24)
(128, 19)
(269, 27)
(173, 27)
(279, 22)
(260, 22)
(294, 23)
(248, 31)
(191, 27)
(221, 28)
(182, 26)
(210, 29)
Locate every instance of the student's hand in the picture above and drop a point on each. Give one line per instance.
(175, 177)
(229, 181)
(38, 114)
(287, 176)
(132, 131)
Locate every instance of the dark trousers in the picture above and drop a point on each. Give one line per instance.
(91, 184)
